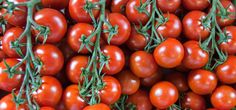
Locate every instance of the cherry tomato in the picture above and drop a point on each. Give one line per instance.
(169, 53)
(194, 57)
(129, 82)
(9, 37)
(192, 26)
(55, 21)
(47, 108)
(6, 83)
(202, 81)
(116, 59)
(224, 98)
(141, 100)
(6, 103)
(56, 4)
(229, 46)
(49, 93)
(163, 94)
(153, 79)
(76, 34)
(72, 98)
(195, 4)
(79, 14)
(142, 64)
(61, 105)
(179, 80)
(99, 106)
(168, 5)
(112, 90)
(118, 6)
(123, 31)
(193, 101)
(171, 28)
(51, 57)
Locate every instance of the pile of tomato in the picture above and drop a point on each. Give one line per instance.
(118, 54)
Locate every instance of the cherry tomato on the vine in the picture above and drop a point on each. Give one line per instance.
(118, 6)
(168, 5)
(179, 80)
(6, 103)
(229, 45)
(56, 4)
(195, 4)
(100, 106)
(193, 101)
(151, 80)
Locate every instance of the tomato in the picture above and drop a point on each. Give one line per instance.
(79, 14)
(194, 57)
(129, 82)
(151, 80)
(179, 80)
(192, 26)
(49, 93)
(169, 53)
(112, 90)
(72, 98)
(74, 68)
(202, 81)
(47, 108)
(229, 46)
(76, 34)
(51, 57)
(61, 105)
(230, 8)
(56, 4)
(171, 28)
(6, 103)
(116, 59)
(141, 100)
(142, 64)
(136, 15)
(99, 106)
(168, 5)
(123, 31)
(226, 72)
(163, 94)
(224, 98)
(195, 4)
(118, 6)
(6, 83)
(193, 101)
(9, 37)
(7, 26)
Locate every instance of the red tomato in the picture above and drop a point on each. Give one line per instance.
(118, 6)
(112, 90)
(193, 101)
(163, 94)
(168, 5)
(202, 81)
(169, 53)
(142, 64)
(224, 98)
(230, 45)
(9, 37)
(194, 57)
(99, 106)
(141, 100)
(49, 93)
(116, 59)
(6, 103)
(55, 21)
(79, 14)
(6, 83)
(51, 57)
(123, 31)
(61, 105)
(171, 28)
(72, 98)
(47, 108)
(56, 4)
(179, 80)
(195, 4)
(192, 26)
(76, 33)
(151, 80)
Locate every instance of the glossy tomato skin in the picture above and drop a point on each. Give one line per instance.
(72, 98)
(179, 80)
(163, 94)
(100, 106)
(56, 4)
(224, 98)
(168, 5)
(172, 28)
(116, 60)
(195, 4)
(6, 83)
(192, 26)
(74, 68)
(226, 72)
(151, 80)
(194, 56)
(143, 64)
(193, 101)
(129, 82)
(169, 53)
(6, 103)
(112, 90)
(123, 31)
(75, 34)
(141, 100)
(51, 57)
(77, 12)
(118, 6)
(47, 108)
(9, 37)
(49, 93)
(230, 45)
(202, 82)
(134, 15)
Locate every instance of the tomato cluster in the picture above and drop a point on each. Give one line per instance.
(117, 54)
